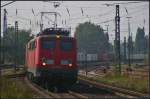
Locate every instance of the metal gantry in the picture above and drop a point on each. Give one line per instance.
(117, 39)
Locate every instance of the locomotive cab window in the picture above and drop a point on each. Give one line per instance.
(66, 45)
(32, 45)
(48, 44)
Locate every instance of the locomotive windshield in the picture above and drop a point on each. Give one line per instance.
(48, 44)
(66, 45)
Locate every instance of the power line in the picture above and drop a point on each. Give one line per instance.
(123, 3)
(113, 18)
(100, 15)
(7, 3)
(135, 7)
(108, 4)
(20, 17)
(120, 17)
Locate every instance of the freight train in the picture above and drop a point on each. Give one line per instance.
(52, 57)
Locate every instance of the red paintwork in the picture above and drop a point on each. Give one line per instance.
(34, 57)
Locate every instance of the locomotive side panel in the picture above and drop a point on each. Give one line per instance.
(31, 57)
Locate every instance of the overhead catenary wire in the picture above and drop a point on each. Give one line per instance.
(68, 11)
(86, 17)
(105, 4)
(122, 3)
(76, 18)
(33, 12)
(100, 15)
(8, 3)
(120, 17)
(82, 11)
(83, 18)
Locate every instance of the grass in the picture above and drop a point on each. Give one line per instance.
(13, 89)
(127, 82)
(124, 82)
(12, 71)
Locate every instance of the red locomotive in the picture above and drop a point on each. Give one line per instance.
(51, 57)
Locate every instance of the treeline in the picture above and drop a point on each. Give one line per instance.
(12, 49)
(92, 39)
(140, 44)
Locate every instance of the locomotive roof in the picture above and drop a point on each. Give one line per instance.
(51, 36)
(55, 31)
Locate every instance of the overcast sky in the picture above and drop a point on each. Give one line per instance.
(94, 11)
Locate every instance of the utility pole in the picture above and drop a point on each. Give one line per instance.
(16, 45)
(107, 45)
(125, 57)
(107, 32)
(149, 53)
(4, 35)
(86, 72)
(129, 45)
(41, 25)
(0, 49)
(144, 24)
(55, 25)
(117, 38)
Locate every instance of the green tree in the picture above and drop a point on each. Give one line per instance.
(91, 38)
(140, 41)
(11, 51)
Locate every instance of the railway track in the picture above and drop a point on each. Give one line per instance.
(48, 94)
(98, 71)
(119, 91)
(84, 89)
(79, 90)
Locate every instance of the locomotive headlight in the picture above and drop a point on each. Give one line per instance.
(43, 64)
(70, 65)
(57, 36)
(66, 62)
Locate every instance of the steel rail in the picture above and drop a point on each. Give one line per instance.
(77, 95)
(54, 95)
(115, 89)
(37, 89)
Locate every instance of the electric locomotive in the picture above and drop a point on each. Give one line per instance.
(52, 57)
